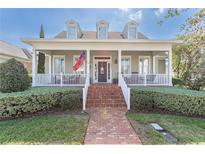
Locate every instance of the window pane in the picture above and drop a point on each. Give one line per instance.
(144, 66)
(72, 33)
(102, 32)
(132, 32)
(59, 65)
(125, 65)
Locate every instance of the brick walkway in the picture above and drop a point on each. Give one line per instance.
(110, 126)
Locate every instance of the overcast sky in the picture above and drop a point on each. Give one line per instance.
(18, 23)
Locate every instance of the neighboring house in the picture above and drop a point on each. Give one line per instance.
(8, 51)
(129, 56)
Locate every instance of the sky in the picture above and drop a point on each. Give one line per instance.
(21, 23)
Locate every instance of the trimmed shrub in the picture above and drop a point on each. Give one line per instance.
(13, 76)
(71, 101)
(38, 99)
(175, 100)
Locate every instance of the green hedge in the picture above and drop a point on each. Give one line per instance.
(38, 99)
(168, 99)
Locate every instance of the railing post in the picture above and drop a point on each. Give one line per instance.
(84, 99)
(128, 98)
(88, 65)
(34, 68)
(145, 79)
(61, 79)
(119, 66)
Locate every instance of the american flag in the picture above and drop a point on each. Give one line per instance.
(80, 61)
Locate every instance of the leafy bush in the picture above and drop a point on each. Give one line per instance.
(13, 76)
(70, 101)
(37, 99)
(168, 99)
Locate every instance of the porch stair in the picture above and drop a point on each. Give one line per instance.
(105, 95)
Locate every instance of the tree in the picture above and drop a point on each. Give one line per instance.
(188, 58)
(13, 76)
(41, 56)
(42, 32)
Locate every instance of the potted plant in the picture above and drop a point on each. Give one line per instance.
(115, 80)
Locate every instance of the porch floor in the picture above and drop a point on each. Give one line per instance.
(109, 125)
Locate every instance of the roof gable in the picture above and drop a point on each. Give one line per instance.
(13, 50)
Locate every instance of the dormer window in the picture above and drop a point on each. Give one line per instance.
(102, 30)
(72, 32)
(102, 33)
(132, 33)
(130, 30)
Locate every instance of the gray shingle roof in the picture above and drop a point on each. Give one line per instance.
(14, 51)
(93, 35)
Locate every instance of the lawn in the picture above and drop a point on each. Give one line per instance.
(187, 130)
(47, 129)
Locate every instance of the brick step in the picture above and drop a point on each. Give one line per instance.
(105, 96)
(102, 102)
(105, 105)
(104, 90)
(105, 99)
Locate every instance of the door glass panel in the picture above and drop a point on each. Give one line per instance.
(95, 71)
(102, 71)
(108, 71)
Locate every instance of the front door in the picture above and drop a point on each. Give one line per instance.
(102, 71)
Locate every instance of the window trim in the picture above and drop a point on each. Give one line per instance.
(58, 56)
(127, 56)
(76, 33)
(74, 56)
(106, 27)
(149, 68)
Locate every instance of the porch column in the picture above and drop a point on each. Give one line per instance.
(34, 69)
(119, 65)
(170, 66)
(50, 57)
(88, 64)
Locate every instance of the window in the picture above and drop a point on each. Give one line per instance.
(81, 70)
(126, 65)
(72, 32)
(144, 65)
(160, 64)
(102, 33)
(59, 64)
(132, 32)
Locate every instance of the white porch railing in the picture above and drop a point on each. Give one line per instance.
(85, 92)
(60, 79)
(147, 79)
(125, 90)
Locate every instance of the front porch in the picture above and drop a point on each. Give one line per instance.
(148, 68)
(131, 62)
